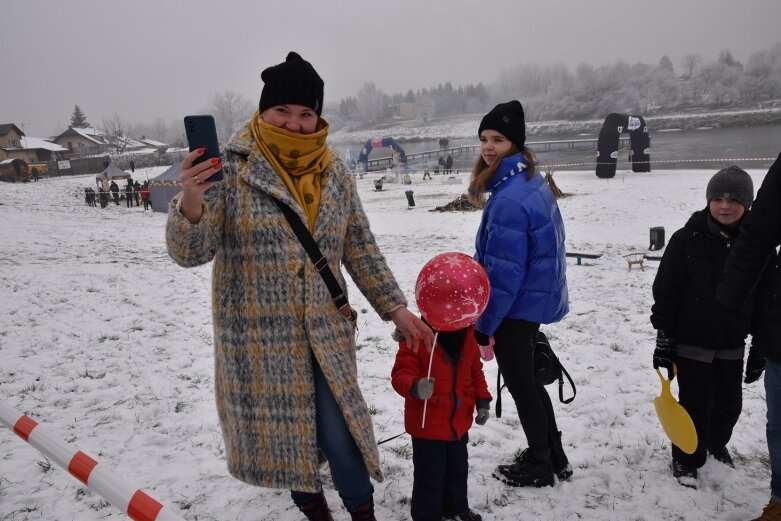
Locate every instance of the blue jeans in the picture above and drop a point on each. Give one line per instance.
(348, 470)
(773, 396)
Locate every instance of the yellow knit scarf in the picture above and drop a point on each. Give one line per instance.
(299, 159)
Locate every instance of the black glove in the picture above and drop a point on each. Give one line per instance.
(664, 354)
(482, 338)
(482, 416)
(755, 366)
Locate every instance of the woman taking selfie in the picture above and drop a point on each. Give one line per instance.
(285, 366)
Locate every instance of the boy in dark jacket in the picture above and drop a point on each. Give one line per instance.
(439, 450)
(709, 364)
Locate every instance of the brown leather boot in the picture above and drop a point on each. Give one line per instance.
(772, 512)
(316, 509)
(363, 512)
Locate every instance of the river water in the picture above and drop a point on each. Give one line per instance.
(749, 147)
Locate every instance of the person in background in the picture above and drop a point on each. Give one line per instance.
(129, 193)
(709, 365)
(144, 191)
(285, 359)
(136, 194)
(114, 189)
(449, 164)
(753, 265)
(439, 450)
(102, 196)
(520, 243)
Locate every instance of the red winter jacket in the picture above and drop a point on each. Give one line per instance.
(457, 387)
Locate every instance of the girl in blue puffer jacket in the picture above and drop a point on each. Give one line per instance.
(520, 243)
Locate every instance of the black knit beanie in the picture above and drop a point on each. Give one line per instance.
(732, 182)
(293, 81)
(506, 118)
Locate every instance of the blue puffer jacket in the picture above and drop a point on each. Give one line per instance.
(520, 243)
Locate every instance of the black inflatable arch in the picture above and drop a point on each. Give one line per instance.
(607, 145)
(389, 142)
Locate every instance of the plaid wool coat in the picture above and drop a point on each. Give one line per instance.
(272, 313)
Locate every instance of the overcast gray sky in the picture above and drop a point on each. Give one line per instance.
(145, 59)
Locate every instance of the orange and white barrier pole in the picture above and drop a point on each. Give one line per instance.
(133, 501)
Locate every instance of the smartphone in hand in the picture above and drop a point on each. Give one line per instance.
(201, 132)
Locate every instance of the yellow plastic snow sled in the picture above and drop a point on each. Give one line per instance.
(676, 422)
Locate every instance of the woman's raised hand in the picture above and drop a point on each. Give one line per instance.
(195, 183)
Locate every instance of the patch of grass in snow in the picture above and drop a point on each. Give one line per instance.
(31, 388)
(12, 516)
(474, 442)
(45, 464)
(402, 451)
(184, 504)
(745, 459)
(93, 376)
(100, 504)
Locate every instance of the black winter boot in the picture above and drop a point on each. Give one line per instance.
(686, 476)
(722, 454)
(530, 469)
(561, 466)
(316, 509)
(363, 512)
(467, 515)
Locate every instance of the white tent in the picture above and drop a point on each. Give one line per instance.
(111, 173)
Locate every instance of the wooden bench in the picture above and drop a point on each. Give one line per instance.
(635, 258)
(580, 256)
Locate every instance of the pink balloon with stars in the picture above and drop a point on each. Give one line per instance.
(452, 291)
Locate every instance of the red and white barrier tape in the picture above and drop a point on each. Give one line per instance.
(133, 501)
(543, 166)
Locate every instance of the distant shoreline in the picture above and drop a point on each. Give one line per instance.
(464, 127)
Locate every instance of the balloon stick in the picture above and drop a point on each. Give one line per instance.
(428, 376)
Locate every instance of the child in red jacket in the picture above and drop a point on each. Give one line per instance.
(439, 450)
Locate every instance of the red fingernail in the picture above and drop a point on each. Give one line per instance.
(215, 160)
(200, 150)
(217, 166)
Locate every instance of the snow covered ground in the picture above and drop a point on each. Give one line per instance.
(106, 342)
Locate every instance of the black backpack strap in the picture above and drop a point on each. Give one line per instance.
(499, 388)
(320, 262)
(561, 385)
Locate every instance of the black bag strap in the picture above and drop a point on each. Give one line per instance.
(499, 388)
(319, 260)
(563, 373)
(561, 385)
